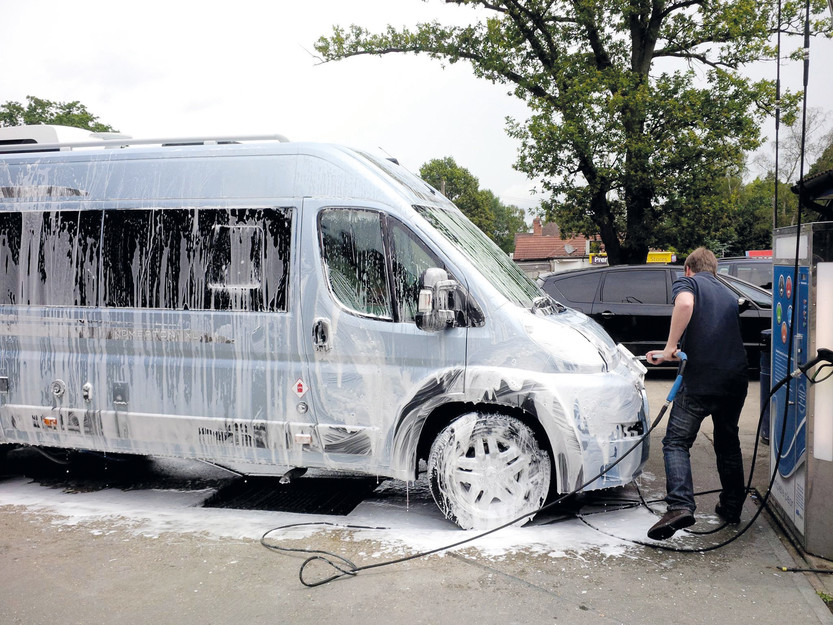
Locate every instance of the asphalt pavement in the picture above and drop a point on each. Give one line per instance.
(55, 573)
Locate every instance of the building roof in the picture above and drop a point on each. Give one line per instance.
(545, 243)
(818, 186)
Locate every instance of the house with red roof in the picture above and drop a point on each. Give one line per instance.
(544, 250)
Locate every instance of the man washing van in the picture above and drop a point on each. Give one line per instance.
(705, 325)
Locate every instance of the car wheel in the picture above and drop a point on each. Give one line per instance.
(488, 469)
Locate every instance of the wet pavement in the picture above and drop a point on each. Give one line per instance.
(124, 556)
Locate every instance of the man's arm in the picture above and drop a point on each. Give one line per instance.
(680, 316)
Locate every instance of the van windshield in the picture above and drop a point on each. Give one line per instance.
(484, 254)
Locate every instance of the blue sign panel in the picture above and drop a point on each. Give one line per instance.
(789, 431)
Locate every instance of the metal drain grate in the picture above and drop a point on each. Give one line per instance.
(316, 495)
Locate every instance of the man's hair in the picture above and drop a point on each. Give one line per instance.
(701, 259)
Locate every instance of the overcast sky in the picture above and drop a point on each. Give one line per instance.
(185, 68)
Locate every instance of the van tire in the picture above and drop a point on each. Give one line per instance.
(486, 470)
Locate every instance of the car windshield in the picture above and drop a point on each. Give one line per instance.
(761, 297)
(757, 272)
(484, 254)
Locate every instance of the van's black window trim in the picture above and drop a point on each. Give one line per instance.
(148, 258)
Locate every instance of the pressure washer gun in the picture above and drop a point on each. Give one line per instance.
(677, 382)
(822, 355)
(674, 387)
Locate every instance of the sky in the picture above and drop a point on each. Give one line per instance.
(187, 68)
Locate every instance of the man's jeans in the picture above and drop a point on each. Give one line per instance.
(687, 413)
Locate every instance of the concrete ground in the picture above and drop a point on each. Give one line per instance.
(80, 574)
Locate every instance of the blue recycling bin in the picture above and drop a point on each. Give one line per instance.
(766, 376)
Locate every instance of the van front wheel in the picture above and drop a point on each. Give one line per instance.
(488, 469)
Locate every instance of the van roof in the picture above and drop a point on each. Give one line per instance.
(171, 172)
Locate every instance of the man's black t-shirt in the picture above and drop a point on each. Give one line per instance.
(712, 340)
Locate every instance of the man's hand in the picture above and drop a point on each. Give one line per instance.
(658, 356)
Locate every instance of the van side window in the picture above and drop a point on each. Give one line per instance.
(249, 259)
(198, 259)
(174, 259)
(58, 254)
(10, 231)
(236, 261)
(410, 258)
(126, 245)
(354, 255)
(234, 267)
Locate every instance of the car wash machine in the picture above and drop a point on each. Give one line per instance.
(801, 412)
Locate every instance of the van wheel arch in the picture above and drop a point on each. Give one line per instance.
(444, 415)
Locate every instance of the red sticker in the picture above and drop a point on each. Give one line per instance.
(300, 388)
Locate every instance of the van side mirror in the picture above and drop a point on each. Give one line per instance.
(437, 298)
(743, 304)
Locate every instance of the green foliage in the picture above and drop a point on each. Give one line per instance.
(825, 162)
(626, 148)
(752, 217)
(711, 225)
(499, 221)
(462, 188)
(509, 220)
(739, 217)
(38, 111)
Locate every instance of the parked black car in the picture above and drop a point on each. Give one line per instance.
(633, 303)
(757, 271)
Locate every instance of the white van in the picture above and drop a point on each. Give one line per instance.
(269, 305)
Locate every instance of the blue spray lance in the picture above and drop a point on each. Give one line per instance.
(672, 393)
(677, 383)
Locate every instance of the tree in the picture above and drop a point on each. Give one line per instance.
(509, 220)
(497, 220)
(618, 140)
(753, 217)
(462, 188)
(38, 111)
(799, 141)
(825, 161)
(711, 224)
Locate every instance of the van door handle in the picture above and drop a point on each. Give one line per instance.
(321, 335)
(607, 314)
